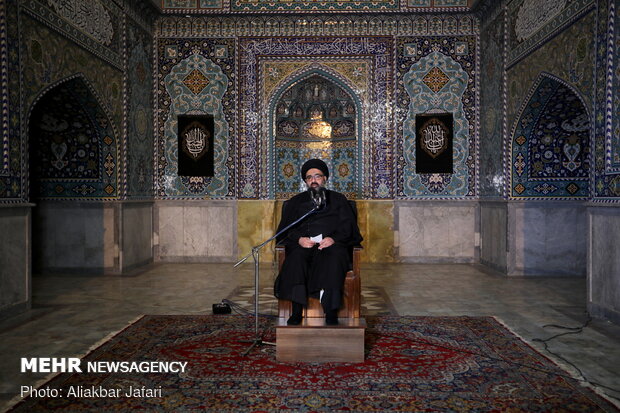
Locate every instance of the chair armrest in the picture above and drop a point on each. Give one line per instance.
(280, 255)
(355, 264)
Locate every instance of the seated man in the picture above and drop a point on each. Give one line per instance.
(317, 248)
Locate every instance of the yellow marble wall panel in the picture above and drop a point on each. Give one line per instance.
(376, 222)
(256, 221)
(277, 213)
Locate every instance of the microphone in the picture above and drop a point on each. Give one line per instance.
(318, 197)
(323, 196)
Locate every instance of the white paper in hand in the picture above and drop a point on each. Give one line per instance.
(317, 238)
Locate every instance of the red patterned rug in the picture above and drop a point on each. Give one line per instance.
(445, 364)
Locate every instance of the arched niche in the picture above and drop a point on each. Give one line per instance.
(72, 145)
(551, 143)
(316, 116)
(73, 156)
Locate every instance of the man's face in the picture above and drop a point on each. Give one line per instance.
(314, 178)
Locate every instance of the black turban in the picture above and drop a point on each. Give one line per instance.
(314, 163)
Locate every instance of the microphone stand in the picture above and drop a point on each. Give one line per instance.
(255, 254)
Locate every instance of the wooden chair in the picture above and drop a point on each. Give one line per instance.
(313, 340)
(352, 290)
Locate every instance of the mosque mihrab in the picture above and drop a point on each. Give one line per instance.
(138, 133)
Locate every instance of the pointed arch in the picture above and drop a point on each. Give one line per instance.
(550, 143)
(73, 146)
(345, 162)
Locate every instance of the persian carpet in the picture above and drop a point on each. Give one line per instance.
(445, 364)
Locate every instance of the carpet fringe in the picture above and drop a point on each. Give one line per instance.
(601, 392)
(507, 327)
(40, 382)
(109, 336)
(562, 365)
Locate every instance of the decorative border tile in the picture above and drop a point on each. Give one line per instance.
(324, 25)
(612, 97)
(13, 183)
(313, 6)
(436, 5)
(4, 79)
(518, 50)
(605, 185)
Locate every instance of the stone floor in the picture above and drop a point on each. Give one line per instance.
(71, 313)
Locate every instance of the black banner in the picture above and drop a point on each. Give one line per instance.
(433, 149)
(195, 134)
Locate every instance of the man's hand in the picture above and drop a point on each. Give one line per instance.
(306, 242)
(326, 242)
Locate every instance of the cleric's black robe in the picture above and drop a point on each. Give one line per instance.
(307, 271)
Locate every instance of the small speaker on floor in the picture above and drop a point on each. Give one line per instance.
(221, 308)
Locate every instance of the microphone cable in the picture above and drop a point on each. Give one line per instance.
(241, 310)
(572, 330)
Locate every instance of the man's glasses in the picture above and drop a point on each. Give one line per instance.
(315, 176)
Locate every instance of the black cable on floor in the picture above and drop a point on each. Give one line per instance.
(572, 330)
(241, 310)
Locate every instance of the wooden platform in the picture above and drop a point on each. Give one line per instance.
(314, 341)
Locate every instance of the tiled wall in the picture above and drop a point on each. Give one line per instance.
(385, 74)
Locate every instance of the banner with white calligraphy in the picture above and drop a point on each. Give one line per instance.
(433, 151)
(195, 134)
